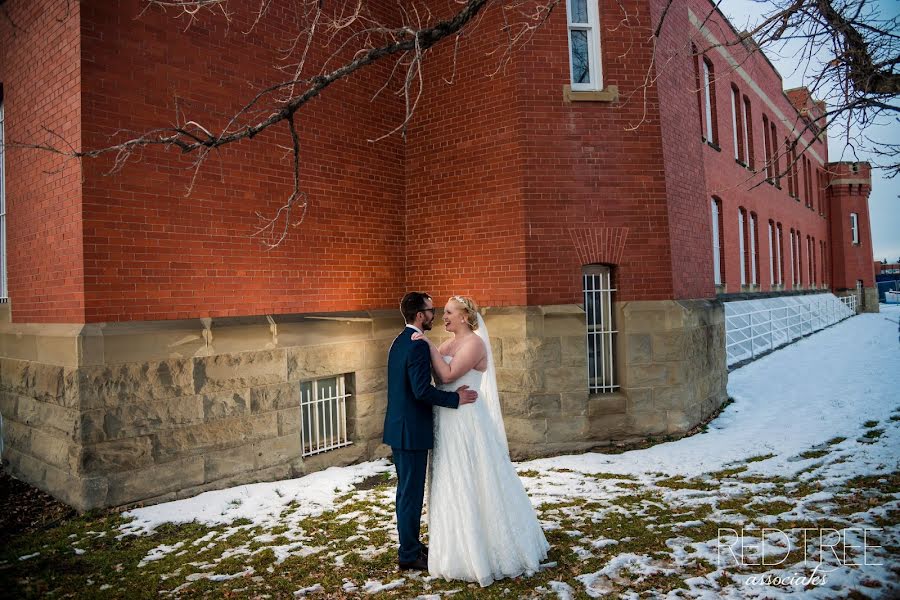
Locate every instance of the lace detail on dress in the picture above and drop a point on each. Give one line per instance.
(481, 523)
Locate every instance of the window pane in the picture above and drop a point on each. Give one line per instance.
(578, 11)
(581, 71)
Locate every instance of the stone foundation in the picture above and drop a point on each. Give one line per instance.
(868, 303)
(111, 414)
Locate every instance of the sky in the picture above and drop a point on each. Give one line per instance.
(884, 201)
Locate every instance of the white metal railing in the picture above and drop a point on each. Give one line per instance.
(598, 292)
(753, 327)
(323, 415)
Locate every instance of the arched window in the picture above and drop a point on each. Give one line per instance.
(598, 308)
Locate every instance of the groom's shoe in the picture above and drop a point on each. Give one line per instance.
(420, 564)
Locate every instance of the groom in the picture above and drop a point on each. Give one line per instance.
(408, 424)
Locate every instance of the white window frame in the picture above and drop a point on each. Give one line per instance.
(771, 253)
(741, 246)
(779, 235)
(745, 106)
(735, 101)
(854, 228)
(331, 433)
(4, 290)
(707, 100)
(754, 278)
(793, 274)
(592, 31)
(717, 244)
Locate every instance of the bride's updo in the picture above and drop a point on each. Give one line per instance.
(468, 306)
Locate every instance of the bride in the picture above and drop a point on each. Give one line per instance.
(481, 524)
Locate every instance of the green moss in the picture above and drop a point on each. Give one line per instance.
(813, 454)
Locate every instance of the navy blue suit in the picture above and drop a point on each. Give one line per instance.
(408, 430)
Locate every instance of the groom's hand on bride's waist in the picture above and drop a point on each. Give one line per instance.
(466, 396)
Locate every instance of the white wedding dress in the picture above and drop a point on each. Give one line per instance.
(481, 524)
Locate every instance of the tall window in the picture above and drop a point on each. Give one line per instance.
(776, 168)
(737, 124)
(748, 133)
(771, 253)
(788, 167)
(779, 263)
(824, 263)
(742, 243)
(598, 308)
(793, 267)
(4, 293)
(799, 254)
(709, 103)
(584, 44)
(754, 250)
(717, 240)
(813, 272)
(767, 149)
(805, 164)
(854, 228)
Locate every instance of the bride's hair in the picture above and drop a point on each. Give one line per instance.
(470, 307)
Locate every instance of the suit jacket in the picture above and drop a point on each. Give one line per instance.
(408, 423)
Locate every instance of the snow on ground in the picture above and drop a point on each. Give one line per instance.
(786, 402)
(807, 421)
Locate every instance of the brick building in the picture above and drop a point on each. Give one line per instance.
(152, 349)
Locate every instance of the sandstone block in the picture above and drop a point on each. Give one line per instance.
(568, 429)
(610, 427)
(646, 423)
(238, 371)
(518, 380)
(638, 349)
(114, 385)
(90, 426)
(639, 400)
(671, 398)
(144, 417)
(574, 403)
(543, 405)
(8, 404)
(525, 430)
(647, 375)
(46, 383)
(514, 404)
(565, 379)
(226, 433)
(58, 452)
(289, 422)
(117, 455)
(606, 404)
(531, 353)
(45, 416)
(224, 405)
(669, 345)
(565, 324)
(573, 350)
(276, 473)
(324, 361)
(274, 397)
(132, 486)
(364, 405)
(249, 458)
(376, 352)
(371, 380)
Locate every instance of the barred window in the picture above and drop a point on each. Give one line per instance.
(323, 415)
(598, 308)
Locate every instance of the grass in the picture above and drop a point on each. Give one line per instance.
(650, 518)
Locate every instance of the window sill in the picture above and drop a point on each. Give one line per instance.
(609, 94)
(713, 145)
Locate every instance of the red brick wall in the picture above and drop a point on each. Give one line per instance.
(464, 157)
(41, 83)
(153, 253)
(849, 193)
(502, 190)
(737, 185)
